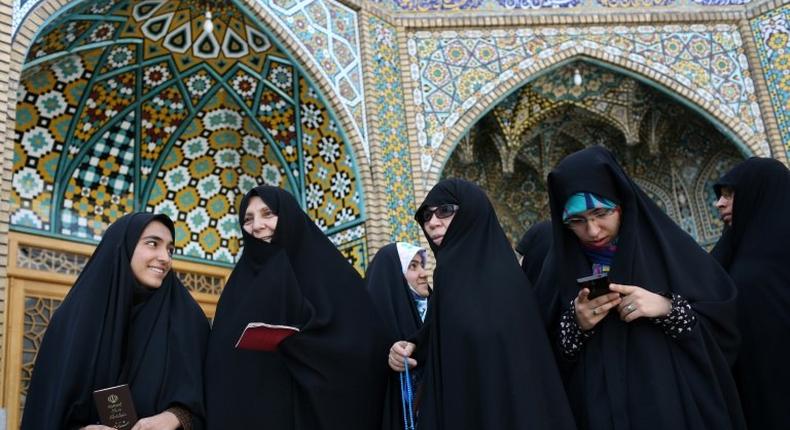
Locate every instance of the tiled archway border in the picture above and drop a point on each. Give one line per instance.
(423, 180)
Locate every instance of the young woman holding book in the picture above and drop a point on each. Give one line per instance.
(126, 320)
(329, 375)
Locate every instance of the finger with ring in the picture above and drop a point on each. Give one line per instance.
(629, 308)
(595, 311)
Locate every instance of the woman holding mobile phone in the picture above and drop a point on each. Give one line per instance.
(655, 352)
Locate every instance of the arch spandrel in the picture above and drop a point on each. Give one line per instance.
(476, 69)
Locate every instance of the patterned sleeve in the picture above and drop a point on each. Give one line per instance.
(183, 415)
(680, 319)
(572, 337)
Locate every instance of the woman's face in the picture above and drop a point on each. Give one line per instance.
(153, 255)
(437, 220)
(259, 220)
(724, 204)
(596, 227)
(417, 276)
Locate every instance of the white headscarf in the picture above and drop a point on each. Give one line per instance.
(407, 251)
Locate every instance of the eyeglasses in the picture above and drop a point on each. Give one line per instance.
(441, 212)
(577, 222)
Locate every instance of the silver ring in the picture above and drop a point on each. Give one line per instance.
(595, 311)
(630, 308)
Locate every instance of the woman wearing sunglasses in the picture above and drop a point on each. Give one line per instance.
(654, 351)
(486, 360)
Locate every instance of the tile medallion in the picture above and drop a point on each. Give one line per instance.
(175, 120)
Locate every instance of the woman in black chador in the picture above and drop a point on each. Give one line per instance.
(126, 320)
(533, 247)
(398, 285)
(486, 358)
(655, 352)
(331, 375)
(754, 250)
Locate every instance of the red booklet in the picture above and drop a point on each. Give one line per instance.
(259, 336)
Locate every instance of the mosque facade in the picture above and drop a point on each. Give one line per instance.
(357, 108)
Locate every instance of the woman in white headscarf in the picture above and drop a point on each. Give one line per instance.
(398, 284)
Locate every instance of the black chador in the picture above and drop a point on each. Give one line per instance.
(534, 246)
(109, 330)
(392, 297)
(755, 252)
(332, 374)
(635, 375)
(486, 358)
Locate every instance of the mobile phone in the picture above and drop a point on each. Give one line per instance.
(597, 284)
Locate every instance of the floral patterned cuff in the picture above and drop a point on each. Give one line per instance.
(572, 337)
(680, 319)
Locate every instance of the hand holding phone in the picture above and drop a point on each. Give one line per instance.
(597, 284)
(592, 307)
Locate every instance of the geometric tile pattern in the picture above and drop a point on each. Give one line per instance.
(38, 312)
(388, 107)
(772, 34)
(101, 187)
(327, 31)
(51, 261)
(353, 246)
(677, 172)
(207, 172)
(617, 100)
(507, 5)
(176, 120)
(22, 7)
(330, 197)
(453, 69)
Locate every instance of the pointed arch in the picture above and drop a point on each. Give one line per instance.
(740, 134)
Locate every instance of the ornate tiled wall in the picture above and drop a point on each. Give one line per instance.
(328, 30)
(673, 153)
(325, 29)
(509, 5)
(772, 34)
(392, 134)
(453, 70)
(174, 119)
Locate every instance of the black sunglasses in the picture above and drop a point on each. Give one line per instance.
(442, 211)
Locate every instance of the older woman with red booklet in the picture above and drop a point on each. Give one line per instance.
(328, 375)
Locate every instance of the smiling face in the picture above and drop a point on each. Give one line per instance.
(153, 255)
(724, 204)
(259, 220)
(417, 276)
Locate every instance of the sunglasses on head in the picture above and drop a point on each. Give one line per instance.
(441, 211)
